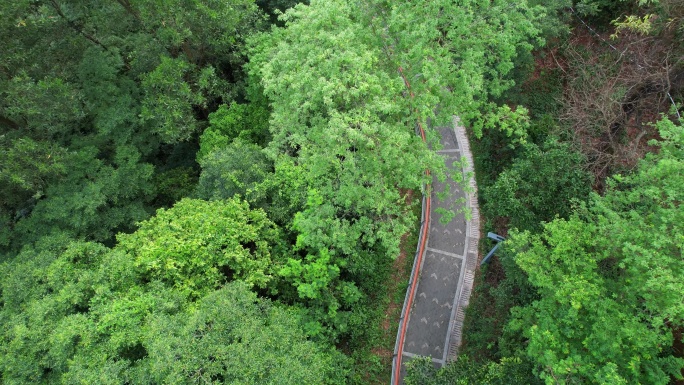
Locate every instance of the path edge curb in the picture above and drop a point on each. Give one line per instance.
(472, 241)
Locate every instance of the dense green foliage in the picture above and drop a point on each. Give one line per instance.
(157, 312)
(335, 126)
(198, 244)
(94, 99)
(609, 279)
(100, 113)
(516, 193)
(586, 288)
(466, 371)
(207, 192)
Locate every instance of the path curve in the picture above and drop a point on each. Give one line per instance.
(444, 265)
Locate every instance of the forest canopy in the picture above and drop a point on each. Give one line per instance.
(217, 191)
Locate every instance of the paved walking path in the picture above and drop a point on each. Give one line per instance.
(445, 275)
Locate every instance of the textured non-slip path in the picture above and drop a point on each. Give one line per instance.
(434, 312)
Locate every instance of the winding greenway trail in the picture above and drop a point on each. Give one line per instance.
(446, 259)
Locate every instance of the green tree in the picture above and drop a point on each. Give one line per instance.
(234, 337)
(197, 245)
(465, 371)
(96, 93)
(237, 168)
(79, 312)
(249, 122)
(46, 290)
(609, 279)
(337, 128)
(169, 100)
(28, 167)
(540, 184)
(92, 199)
(460, 56)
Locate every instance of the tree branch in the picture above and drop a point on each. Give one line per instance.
(75, 26)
